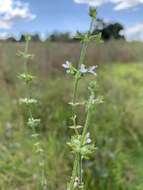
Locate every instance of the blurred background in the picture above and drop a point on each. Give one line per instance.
(116, 124)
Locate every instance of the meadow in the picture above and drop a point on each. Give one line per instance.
(116, 124)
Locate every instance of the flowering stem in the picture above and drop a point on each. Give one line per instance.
(77, 166)
(32, 123)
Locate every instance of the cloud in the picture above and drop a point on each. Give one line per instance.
(119, 4)
(4, 35)
(134, 32)
(11, 10)
(5, 24)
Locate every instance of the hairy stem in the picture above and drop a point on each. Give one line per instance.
(86, 126)
(41, 168)
(77, 166)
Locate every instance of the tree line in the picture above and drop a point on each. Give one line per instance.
(108, 31)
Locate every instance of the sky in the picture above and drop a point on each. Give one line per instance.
(46, 16)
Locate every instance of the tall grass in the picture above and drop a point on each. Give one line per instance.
(117, 163)
(49, 56)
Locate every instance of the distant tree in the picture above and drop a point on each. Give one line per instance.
(22, 38)
(34, 37)
(108, 30)
(112, 31)
(11, 39)
(57, 36)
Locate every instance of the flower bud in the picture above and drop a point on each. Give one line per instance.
(92, 12)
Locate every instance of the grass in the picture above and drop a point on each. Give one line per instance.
(117, 164)
(47, 61)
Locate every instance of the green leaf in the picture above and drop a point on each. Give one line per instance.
(76, 127)
(85, 150)
(82, 37)
(92, 12)
(26, 77)
(96, 37)
(33, 123)
(27, 37)
(76, 104)
(25, 55)
(79, 36)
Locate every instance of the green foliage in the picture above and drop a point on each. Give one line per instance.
(109, 31)
(26, 77)
(85, 150)
(31, 121)
(117, 162)
(24, 55)
(88, 37)
(80, 142)
(92, 12)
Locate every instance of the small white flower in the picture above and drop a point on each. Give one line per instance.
(92, 70)
(88, 135)
(83, 69)
(76, 182)
(88, 140)
(67, 65)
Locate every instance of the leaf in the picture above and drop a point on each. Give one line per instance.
(25, 55)
(92, 12)
(26, 77)
(76, 104)
(79, 36)
(96, 37)
(27, 37)
(33, 123)
(76, 127)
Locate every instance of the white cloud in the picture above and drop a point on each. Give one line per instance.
(4, 35)
(5, 24)
(11, 10)
(119, 4)
(134, 32)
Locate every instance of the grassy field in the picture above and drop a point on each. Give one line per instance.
(117, 123)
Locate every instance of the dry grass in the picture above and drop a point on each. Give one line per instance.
(50, 56)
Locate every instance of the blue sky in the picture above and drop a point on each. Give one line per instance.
(46, 16)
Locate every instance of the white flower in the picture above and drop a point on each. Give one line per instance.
(83, 69)
(76, 182)
(27, 101)
(88, 135)
(92, 70)
(67, 65)
(88, 140)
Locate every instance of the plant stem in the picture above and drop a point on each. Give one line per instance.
(77, 166)
(30, 115)
(86, 126)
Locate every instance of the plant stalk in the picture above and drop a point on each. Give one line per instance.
(77, 166)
